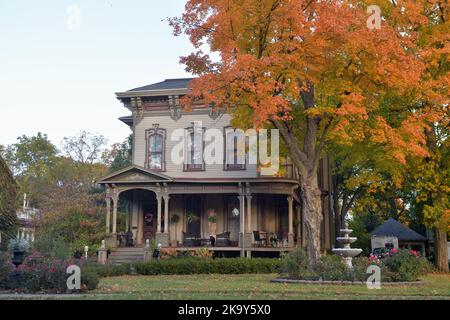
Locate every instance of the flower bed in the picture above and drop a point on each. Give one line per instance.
(397, 266)
(40, 274)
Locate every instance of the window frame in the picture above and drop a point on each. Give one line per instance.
(148, 134)
(194, 167)
(234, 166)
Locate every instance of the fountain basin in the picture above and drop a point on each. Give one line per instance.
(346, 240)
(347, 252)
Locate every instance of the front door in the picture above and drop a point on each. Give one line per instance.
(283, 218)
(150, 208)
(193, 214)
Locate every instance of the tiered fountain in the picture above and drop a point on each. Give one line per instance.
(346, 252)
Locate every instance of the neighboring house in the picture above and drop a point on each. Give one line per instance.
(404, 237)
(27, 217)
(173, 203)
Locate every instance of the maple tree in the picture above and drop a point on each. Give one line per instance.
(315, 71)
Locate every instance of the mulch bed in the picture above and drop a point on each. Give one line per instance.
(353, 283)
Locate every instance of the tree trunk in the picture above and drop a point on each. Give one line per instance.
(440, 250)
(307, 162)
(312, 213)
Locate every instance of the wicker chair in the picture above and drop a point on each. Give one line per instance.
(223, 240)
(190, 240)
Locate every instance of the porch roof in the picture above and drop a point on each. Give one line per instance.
(134, 174)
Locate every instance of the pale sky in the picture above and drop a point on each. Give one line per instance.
(59, 79)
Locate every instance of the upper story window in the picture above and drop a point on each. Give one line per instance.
(235, 142)
(155, 149)
(194, 149)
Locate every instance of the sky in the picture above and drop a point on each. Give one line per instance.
(62, 61)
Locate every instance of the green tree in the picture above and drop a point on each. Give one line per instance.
(85, 147)
(63, 188)
(119, 156)
(30, 159)
(429, 184)
(8, 194)
(75, 217)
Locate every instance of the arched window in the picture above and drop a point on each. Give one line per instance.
(155, 149)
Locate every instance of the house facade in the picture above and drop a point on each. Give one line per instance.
(228, 206)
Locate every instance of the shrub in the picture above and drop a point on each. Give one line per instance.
(360, 265)
(109, 270)
(332, 268)
(52, 246)
(201, 265)
(89, 280)
(6, 267)
(406, 265)
(41, 274)
(168, 253)
(295, 265)
(173, 253)
(19, 245)
(403, 265)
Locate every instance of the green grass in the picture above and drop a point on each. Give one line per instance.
(247, 287)
(200, 287)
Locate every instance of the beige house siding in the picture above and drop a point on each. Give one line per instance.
(176, 170)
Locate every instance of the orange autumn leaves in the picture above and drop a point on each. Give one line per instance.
(268, 50)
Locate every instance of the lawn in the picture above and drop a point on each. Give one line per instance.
(200, 287)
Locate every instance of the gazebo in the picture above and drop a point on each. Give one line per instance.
(407, 238)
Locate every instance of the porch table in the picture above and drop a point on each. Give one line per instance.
(205, 242)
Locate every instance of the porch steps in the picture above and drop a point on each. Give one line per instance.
(126, 255)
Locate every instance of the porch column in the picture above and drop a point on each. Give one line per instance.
(166, 214)
(108, 215)
(162, 238)
(249, 213)
(290, 200)
(299, 226)
(115, 203)
(304, 240)
(158, 200)
(242, 224)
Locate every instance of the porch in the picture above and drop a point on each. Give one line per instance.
(136, 254)
(260, 214)
(221, 222)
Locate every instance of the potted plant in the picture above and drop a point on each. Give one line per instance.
(174, 220)
(212, 219)
(212, 223)
(18, 249)
(191, 217)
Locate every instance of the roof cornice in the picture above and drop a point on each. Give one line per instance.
(152, 93)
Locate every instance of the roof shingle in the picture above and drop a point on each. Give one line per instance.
(394, 228)
(165, 85)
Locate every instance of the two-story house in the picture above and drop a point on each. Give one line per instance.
(226, 206)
